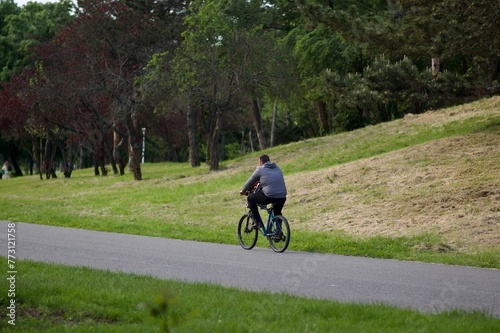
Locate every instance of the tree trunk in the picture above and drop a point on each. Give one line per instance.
(109, 154)
(112, 160)
(82, 157)
(242, 145)
(213, 144)
(222, 150)
(194, 153)
(134, 145)
(96, 165)
(67, 154)
(435, 61)
(323, 119)
(69, 157)
(100, 154)
(50, 153)
(273, 123)
(14, 152)
(37, 153)
(250, 140)
(118, 155)
(67, 163)
(257, 121)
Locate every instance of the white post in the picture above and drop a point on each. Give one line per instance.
(143, 143)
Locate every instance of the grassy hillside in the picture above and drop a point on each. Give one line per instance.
(426, 187)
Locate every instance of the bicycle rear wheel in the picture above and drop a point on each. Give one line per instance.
(279, 234)
(246, 235)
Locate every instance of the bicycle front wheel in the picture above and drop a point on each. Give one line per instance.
(279, 234)
(247, 236)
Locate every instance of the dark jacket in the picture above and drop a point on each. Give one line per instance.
(271, 180)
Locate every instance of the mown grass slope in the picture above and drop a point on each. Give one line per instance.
(426, 187)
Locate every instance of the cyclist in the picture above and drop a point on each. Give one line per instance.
(271, 189)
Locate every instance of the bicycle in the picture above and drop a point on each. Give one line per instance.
(277, 230)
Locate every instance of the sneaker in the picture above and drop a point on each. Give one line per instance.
(279, 236)
(257, 225)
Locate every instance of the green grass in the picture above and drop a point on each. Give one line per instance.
(56, 298)
(202, 210)
(175, 200)
(376, 140)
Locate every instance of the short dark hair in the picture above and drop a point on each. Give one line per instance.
(264, 159)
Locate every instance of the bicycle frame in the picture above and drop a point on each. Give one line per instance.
(270, 218)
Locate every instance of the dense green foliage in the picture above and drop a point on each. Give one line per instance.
(21, 29)
(212, 80)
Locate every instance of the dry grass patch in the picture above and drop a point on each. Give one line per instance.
(449, 187)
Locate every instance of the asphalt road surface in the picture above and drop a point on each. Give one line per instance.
(414, 285)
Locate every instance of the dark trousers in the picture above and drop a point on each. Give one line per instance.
(260, 198)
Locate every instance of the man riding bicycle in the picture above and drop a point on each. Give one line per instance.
(272, 189)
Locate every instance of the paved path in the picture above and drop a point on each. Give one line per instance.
(421, 286)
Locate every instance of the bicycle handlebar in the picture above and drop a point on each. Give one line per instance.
(254, 189)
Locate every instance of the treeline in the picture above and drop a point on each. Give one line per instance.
(93, 82)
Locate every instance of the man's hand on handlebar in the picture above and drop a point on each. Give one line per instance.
(244, 192)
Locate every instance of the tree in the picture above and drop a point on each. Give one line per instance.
(449, 33)
(164, 87)
(208, 69)
(13, 118)
(318, 51)
(8, 56)
(230, 61)
(459, 37)
(21, 31)
(123, 36)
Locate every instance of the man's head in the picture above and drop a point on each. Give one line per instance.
(263, 159)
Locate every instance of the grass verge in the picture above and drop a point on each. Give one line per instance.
(56, 298)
